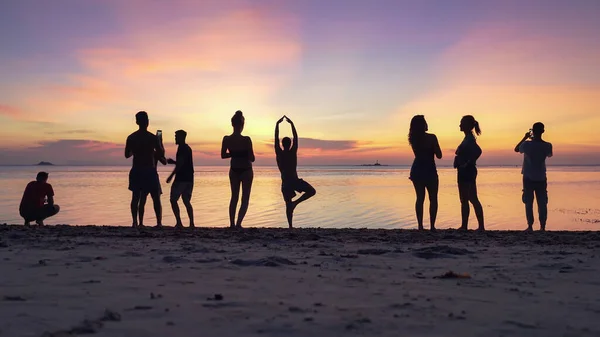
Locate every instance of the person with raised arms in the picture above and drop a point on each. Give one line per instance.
(287, 162)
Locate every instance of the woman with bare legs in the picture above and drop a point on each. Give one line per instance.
(423, 172)
(465, 162)
(239, 149)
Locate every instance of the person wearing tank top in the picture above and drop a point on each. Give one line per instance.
(465, 162)
(423, 172)
(238, 148)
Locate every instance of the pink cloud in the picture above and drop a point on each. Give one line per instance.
(237, 40)
(10, 111)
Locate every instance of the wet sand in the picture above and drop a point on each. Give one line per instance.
(115, 281)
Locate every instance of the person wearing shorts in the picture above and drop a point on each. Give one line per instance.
(183, 186)
(287, 162)
(146, 150)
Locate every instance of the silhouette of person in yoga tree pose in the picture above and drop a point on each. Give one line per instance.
(423, 172)
(287, 161)
(239, 149)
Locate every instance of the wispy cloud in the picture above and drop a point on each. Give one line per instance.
(65, 151)
(71, 132)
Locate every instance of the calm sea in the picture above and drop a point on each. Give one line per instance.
(347, 196)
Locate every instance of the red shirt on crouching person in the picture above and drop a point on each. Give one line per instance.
(37, 203)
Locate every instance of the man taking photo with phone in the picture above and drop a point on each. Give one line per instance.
(146, 150)
(535, 151)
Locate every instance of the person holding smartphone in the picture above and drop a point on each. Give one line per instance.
(146, 150)
(535, 151)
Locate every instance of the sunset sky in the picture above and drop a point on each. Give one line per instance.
(350, 73)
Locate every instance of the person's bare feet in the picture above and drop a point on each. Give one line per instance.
(192, 225)
(481, 229)
(529, 229)
(463, 228)
(27, 224)
(420, 228)
(433, 229)
(179, 226)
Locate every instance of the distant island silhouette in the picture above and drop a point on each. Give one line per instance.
(45, 163)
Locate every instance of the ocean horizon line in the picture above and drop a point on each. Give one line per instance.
(313, 165)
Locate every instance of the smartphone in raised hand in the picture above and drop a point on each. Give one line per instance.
(159, 136)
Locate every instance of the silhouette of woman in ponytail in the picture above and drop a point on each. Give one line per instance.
(465, 162)
(423, 172)
(239, 149)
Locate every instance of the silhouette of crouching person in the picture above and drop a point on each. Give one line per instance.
(37, 203)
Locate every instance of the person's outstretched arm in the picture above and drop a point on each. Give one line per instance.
(277, 145)
(251, 151)
(224, 153)
(437, 148)
(517, 150)
(294, 134)
(182, 160)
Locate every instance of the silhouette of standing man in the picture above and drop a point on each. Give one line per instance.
(287, 161)
(183, 186)
(145, 148)
(535, 151)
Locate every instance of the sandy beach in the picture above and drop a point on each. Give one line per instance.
(116, 281)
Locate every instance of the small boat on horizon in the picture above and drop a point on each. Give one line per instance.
(376, 164)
